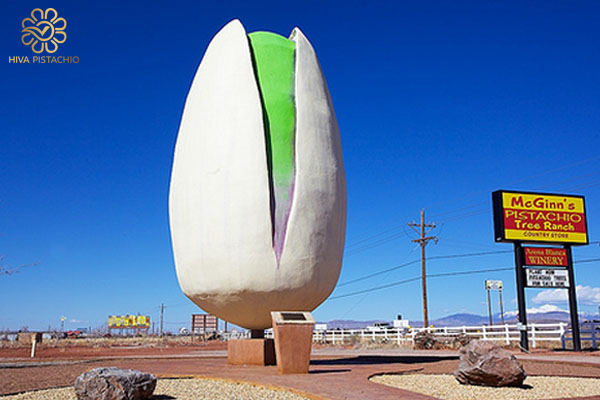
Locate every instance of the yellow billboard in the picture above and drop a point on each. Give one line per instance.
(539, 217)
(128, 321)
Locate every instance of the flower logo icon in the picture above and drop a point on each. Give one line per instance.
(45, 29)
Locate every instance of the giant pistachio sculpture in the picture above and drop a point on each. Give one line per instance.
(258, 194)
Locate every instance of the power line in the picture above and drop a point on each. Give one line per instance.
(585, 185)
(483, 203)
(418, 278)
(570, 180)
(375, 288)
(455, 273)
(577, 163)
(587, 260)
(383, 278)
(362, 278)
(462, 216)
(485, 253)
(557, 169)
(357, 242)
(469, 272)
(374, 244)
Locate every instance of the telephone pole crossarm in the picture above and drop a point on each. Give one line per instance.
(426, 239)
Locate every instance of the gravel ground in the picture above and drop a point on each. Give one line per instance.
(182, 389)
(535, 387)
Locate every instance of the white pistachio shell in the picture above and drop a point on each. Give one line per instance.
(219, 201)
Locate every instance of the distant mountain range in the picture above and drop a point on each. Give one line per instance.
(469, 320)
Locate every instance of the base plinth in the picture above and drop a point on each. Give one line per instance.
(293, 340)
(251, 352)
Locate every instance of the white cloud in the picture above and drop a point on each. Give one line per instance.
(77, 321)
(551, 296)
(538, 310)
(585, 295)
(588, 295)
(544, 309)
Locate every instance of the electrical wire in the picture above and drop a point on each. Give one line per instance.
(374, 244)
(484, 253)
(586, 260)
(471, 206)
(454, 273)
(362, 278)
(382, 279)
(357, 242)
(418, 278)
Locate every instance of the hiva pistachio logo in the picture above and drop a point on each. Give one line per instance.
(44, 31)
(44, 28)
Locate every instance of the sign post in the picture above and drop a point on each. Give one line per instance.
(573, 302)
(525, 217)
(489, 286)
(489, 307)
(522, 316)
(501, 306)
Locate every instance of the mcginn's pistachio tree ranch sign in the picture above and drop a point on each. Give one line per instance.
(257, 200)
(536, 217)
(533, 218)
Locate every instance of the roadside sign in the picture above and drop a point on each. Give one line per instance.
(532, 218)
(547, 278)
(539, 217)
(546, 257)
(493, 285)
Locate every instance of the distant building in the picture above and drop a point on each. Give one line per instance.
(379, 326)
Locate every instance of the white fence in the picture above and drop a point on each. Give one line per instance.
(501, 333)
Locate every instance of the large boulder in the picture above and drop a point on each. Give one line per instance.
(114, 384)
(485, 364)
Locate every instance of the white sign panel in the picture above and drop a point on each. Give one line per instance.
(546, 277)
(493, 285)
(401, 323)
(320, 327)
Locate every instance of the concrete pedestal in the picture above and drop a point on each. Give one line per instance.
(293, 341)
(251, 352)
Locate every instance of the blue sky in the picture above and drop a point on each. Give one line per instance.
(439, 103)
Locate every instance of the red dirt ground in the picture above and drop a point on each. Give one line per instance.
(45, 352)
(331, 377)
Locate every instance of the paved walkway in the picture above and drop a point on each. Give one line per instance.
(334, 373)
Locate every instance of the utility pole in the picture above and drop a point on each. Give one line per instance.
(162, 313)
(423, 240)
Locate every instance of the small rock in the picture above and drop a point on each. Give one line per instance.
(424, 340)
(114, 384)
(485, 364)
